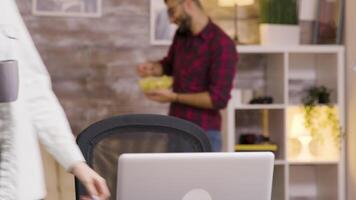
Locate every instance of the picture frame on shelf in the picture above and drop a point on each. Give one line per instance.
(161, 29)
(67, 8)
(307, 20)
(329, 23)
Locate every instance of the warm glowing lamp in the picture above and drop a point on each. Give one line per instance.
(299, 131)
(231, 3)
(226, 3)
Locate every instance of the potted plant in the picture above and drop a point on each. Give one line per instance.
(321, 118)
(279, 22)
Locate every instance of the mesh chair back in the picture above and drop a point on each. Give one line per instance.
(103, 142)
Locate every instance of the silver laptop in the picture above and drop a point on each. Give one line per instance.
(195, 176)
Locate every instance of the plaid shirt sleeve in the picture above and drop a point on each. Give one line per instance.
(167, 62)
(222, 72)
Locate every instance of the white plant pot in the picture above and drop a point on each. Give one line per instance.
(276, 34)
(308, 10)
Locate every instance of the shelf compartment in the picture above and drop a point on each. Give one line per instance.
(313, 182)
(312, 69)
(326, 151)
(260, 75)
(267, 122)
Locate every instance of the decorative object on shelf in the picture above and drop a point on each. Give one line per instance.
(325, 30)
(241, 96)
(253, 138)
(330, 22)
(307, 20)
(235, 3)
(302, 134)
(319, 114)
(262, 100)
(67, 8)
(246, 96)
(236, 95)
(248, 25)
(255, 142)
(317, 95)
(279, 22)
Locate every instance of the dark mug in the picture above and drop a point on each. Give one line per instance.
(9, 81)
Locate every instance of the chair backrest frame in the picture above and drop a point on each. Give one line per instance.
(98, 131)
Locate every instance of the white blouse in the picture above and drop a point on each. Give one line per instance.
(36, 114)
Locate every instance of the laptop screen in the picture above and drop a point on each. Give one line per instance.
(198, 176)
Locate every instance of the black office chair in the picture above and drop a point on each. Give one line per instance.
(103, 142)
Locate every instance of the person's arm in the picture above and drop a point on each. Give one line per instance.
(158, 68)
(47, 115)
(91, 180)
(167, 62)
(199, 100)
(221, 75)
(8, 164)
(55, 134)
(150, 69)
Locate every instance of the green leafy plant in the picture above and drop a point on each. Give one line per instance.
(320, 114)
(279, 12)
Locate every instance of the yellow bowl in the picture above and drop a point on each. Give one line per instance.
(154, 83)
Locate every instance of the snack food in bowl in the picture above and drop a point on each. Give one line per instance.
(154, 83)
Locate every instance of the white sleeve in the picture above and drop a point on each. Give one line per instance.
(42, 105)
(8, 167)
(51, 124)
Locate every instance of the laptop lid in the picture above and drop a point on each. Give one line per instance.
(195, 176)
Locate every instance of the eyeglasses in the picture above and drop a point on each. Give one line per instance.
(172, 10)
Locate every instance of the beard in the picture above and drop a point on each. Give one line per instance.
(184, 28)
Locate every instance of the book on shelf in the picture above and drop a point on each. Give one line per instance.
(322, 21)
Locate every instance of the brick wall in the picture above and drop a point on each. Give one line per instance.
(92, 61)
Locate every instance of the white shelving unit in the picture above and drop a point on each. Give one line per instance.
(284, 73)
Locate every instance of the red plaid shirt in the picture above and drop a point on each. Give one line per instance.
(202, 63)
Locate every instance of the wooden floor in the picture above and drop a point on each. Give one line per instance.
(59, 183)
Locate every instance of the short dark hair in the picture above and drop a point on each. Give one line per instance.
(196, 2)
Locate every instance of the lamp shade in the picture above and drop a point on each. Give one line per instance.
(230, 3)
(226, 3)
(298, 126)
(244, 2)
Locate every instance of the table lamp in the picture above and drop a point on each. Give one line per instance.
(300, 132)
(235, 3)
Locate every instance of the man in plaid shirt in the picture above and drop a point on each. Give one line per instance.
(202, 61)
